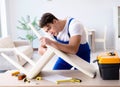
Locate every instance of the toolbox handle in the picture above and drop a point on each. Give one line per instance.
(95, 60)
(111, 54)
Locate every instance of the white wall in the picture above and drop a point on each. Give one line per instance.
(92, 13)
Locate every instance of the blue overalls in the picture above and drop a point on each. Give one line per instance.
(83, 52)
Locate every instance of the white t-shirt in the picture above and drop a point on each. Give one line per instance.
(75, 28)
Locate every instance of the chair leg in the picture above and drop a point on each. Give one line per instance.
(104, 46)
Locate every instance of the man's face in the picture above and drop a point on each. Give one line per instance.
(52, 28)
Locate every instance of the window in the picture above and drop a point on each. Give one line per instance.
(3, 22)
(0, 18)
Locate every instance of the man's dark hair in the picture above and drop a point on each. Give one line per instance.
(46, 18)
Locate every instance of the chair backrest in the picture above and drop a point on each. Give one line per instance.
(103, 38)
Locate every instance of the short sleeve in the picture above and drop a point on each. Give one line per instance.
(75, 28)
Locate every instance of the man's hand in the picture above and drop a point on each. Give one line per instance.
(42, 49)
(45, 41)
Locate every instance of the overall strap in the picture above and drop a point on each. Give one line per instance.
(65, 42)
(69, 25)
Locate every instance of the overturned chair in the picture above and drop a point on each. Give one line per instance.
(24, 46)
(36, 68)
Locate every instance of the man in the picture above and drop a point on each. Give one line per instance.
(70, 37)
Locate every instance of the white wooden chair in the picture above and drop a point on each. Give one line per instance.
(36, 67)
(103, 39)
